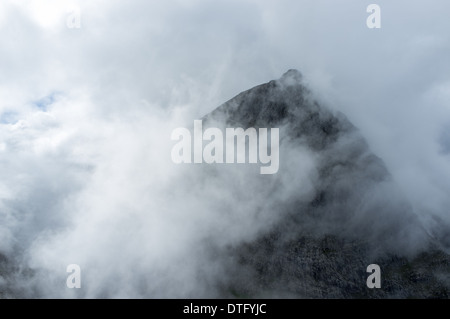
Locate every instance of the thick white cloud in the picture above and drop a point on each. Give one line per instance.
(87, 178)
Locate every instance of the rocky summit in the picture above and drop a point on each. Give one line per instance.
(354, 215)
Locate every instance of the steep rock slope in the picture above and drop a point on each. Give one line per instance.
(354, 215)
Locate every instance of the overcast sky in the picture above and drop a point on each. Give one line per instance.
(86, 113)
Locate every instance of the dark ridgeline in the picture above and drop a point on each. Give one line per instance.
(356, 216)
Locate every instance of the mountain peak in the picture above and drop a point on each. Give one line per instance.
(292, 73)
(291, 77)
(342, 212)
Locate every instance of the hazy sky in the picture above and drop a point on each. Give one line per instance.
(86, 113)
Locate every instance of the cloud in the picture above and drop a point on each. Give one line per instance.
(86, 175)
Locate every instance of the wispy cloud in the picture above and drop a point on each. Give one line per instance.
(86, 176)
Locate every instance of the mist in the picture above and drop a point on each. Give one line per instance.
(86, 116)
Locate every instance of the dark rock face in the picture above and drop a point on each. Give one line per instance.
(354, 216)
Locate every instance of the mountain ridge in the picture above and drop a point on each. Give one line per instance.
(354, 202)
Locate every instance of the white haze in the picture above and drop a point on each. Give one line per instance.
(86, 116)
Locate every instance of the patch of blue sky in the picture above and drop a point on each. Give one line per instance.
(9, 117)
(46, 101)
